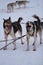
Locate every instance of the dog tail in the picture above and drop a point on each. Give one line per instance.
(19, 19)
(35, 16)
(38, 19)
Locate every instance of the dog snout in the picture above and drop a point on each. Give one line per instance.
(29, 26)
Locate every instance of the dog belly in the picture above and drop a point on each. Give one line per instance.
(15, 30)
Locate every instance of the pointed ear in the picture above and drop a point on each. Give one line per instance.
(3, 19)
(9, 18)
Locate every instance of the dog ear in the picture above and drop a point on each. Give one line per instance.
(3, 19)
(9, 18)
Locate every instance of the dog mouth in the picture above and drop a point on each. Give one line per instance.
(29, 28)
(8, 26)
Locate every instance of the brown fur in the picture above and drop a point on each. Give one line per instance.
(11, 29)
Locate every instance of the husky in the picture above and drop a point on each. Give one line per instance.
(32, 29)
(22, 3)
(10, 28)
(10, 7)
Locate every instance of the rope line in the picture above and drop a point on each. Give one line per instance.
(12, 41)
(5, 40)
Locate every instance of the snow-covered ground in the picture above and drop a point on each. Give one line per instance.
(20, 56)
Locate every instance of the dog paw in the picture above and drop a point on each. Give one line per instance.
(34, 49)
(27, 49)
(40, 42)
(33, 44)
(5, 48)
(14, 49)
(22, 43)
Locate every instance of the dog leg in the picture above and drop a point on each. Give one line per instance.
(34, 48)
(33, 43)
(21, 36)
(5, 48)
(14, 46)
(27, 42)
(24, 5)
(14, 37)
(19, 6)
(40, 34)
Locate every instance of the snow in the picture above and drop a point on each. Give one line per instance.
(20, 56)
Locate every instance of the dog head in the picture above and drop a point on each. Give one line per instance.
(7, 25)
(29, 27)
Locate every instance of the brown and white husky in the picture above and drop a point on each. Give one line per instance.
(11, 29)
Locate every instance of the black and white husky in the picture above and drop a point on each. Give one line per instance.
(32, 28)
(11, 28)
